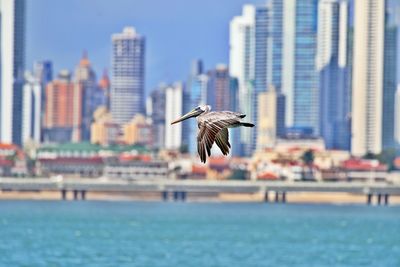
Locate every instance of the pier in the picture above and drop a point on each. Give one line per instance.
(178, 190)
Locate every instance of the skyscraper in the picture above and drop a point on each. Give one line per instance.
(92, 95)
(158, 116)
(197, 84)
(367, 76)
(218, 89)
(261, 51)
(104, 86)
(173, 110)
(389, 85)
(234, 136)
(241, 67)
(31, 109)
(334, 73)
(127, 86)
(197, 88)
(274, 63)
(12, 57)
(397, 116)
(299, 79)
(63, 116)
(43, 72)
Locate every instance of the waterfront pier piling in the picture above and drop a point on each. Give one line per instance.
(164, 195)
(369, 199)
(176, 195)
(276, 197)
(379, 199)
(266, 196)
(280, 197)
(75, 194)
(64, 194)
(83, 194)
(183, 196)
(386, 199)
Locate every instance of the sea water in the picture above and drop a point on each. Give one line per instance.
(96, 233)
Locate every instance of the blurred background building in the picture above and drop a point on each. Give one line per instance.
(31, 110)
(12, 56)
(334, 73)
(173, 110)
(63, 115)
(368, 77)
(127, 84)
(241, 67)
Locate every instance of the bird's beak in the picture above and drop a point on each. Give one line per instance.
(193, 113)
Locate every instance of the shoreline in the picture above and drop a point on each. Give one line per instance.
(293, 197)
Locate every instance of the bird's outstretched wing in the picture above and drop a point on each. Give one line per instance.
(210, 128)
(222, 141)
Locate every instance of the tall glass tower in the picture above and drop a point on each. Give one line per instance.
(299, 78)
(334, 73)
(197, 90)
(86, 78)
(127, 87)
(389, 86)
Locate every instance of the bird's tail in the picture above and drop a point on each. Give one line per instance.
(246, 124)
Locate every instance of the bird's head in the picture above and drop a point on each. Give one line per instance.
(205, 108)
(193, 113)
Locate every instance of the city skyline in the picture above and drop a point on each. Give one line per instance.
(306, 51)
(94, 23)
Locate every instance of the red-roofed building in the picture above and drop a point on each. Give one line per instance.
(267, 176)
(354, 164)
(218, 164)
(364, 169)
(12, 160)
(199, 172)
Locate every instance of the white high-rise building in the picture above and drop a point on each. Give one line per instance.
(367, 76)
(173, 111)
(31, 109)
(127, 86)
(12, 46)
(241, 64)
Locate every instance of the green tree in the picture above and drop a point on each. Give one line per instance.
(308, 159)
(370, 155)
(387, 157)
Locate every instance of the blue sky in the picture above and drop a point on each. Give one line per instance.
(176, 31)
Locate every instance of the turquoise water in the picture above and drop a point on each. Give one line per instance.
(56, 233)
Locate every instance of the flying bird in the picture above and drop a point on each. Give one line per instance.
(213, 127)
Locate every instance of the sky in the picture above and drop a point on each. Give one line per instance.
(176, 31)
